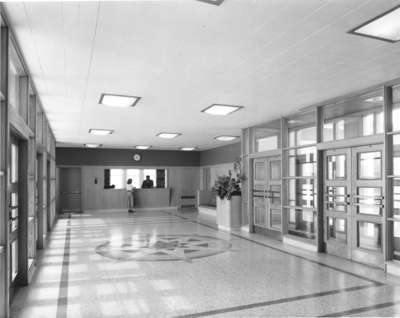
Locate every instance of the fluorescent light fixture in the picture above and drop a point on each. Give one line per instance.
(221, 109)
(385, 27)
(215, 2)
(100, 132)
(188, 148)
(143, 147)
(376, 99)
(92, 145)
(114, 100)
(226, 138)
(168, 135)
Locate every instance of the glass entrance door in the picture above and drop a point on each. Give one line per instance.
(353, 204)
(267, 194)
(14, 211)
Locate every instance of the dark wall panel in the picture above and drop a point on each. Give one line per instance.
(124, 157)
(224, 154)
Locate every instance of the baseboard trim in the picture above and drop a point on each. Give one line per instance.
(297, 243)
(169, 208)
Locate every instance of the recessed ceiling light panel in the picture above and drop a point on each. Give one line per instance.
(188, 148)
(143, 147)
(100, 132)
(114, 100)
(221, 109)
(226, 138)
(166, 135)
(385, 27)
(215, 2)
(92, 145)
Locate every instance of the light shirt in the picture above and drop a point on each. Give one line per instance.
(129, 187)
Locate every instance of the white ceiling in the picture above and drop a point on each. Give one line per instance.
(271, 56)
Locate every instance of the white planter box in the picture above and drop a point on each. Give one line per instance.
(229, 213)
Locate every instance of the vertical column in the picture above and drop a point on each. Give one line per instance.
(319, 187)
(4, 141)
(388, 188)
(284, 167)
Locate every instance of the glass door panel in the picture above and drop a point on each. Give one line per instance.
(267, 194)
(367, 204)
(337, 187)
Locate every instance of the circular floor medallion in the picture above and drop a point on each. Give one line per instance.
(149, 247)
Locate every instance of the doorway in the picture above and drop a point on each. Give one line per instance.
(70, 190)
(353, 203)
(267, 218)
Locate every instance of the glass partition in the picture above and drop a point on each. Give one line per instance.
(355, 117)
(15, 71)
(267, 137)
(300, 175)
(394, 175)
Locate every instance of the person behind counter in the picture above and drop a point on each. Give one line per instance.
(148, 183)
(129, 193)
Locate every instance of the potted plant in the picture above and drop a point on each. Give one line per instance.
(228, 192)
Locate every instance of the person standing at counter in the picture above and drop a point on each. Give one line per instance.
(129, 193)
(148, 183)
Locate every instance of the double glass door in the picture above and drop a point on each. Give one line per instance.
(267, 194)
(353, 203)
(14, 210)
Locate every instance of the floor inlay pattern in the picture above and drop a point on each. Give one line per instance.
(149, 247)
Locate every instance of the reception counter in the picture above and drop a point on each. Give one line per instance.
(152, 198)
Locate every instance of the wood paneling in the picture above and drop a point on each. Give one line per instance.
(181, 180)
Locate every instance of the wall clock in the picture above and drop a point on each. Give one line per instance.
(137, 157)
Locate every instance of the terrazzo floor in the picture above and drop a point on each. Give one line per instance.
(165, 264)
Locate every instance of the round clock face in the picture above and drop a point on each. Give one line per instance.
(137, 157)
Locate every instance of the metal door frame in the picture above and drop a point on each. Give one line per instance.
(351, 249)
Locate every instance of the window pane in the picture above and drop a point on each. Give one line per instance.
(116, 178)
(134, 174)
(275, 194)
(368, 124)
(302, 162)
(369, 165)
(260, 170)
(152, 174)
(275, 216)
(396, 155)
(336, 166)
(336, 199)
(339, 130)
(395, 117)
(396, 197)
(14, 163)
(369, 235)
(337, 229)
(14, 259)
(369, 200)
(301, 193)
(396, 240)
(292, 139)
(302, 223)
(267, 143)
(275, 170)
(306, 136)
(379, 123)
(328, 131)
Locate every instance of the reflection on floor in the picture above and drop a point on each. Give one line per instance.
(162, 264)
